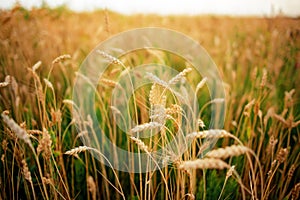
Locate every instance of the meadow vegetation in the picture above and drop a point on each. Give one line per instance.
(256, 155)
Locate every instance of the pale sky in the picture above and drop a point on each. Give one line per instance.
(164, 7)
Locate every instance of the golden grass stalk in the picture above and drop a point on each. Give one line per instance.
(223, 153)
(206, 163)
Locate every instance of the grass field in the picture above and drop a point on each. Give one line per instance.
(258, 59)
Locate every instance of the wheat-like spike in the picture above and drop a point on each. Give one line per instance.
(230, 171)
(45, 145)
(146, 126)
(20, 133)
(282, 155)
(78, 150)
(140, 144)
(223, 153)
(201, 83)
(68, 101)
(201, 123)
(26, 172)
(91, 186)
(206, 163)
(217, 100)
(110, 58)
(295, 191)
(49, 84)
(154, 94)
(6, 82)
(36, 66)
(264, 78)
(179, 76)
(174, 109)
(156, 80)
(290, 173)
(212, 133)
(35, 132)
(110, 83)
(158, 113)
(61, 58)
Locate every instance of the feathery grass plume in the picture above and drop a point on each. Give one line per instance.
(213, 133)
(36, 66)
(20, 133)
(45, 145)
(282, 155)
(61, 58)
(140, 144)
(179, 76)
(110, 83)
(229, 151)
(110, 58)
(26, 172)
(206, 163)
(146, 126)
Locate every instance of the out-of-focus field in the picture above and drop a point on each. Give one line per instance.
(259, 62)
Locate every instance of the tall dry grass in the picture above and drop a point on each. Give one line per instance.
(259, 63)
